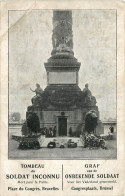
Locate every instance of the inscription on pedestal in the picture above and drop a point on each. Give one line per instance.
(62, 78)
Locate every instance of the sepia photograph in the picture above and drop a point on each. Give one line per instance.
(62, 81)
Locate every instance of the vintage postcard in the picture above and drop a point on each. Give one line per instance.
(62, 98)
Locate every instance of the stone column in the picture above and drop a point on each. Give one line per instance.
(62, 38)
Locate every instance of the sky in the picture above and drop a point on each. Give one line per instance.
(94, 45)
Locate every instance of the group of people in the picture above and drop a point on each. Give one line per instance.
(49, 132)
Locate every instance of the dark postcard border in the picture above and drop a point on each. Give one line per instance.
(116, 96)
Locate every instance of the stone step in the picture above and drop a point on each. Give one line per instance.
(44, 141)
(59, 140)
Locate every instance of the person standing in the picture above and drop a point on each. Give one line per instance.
(111, 128)
(54, 131)
(70, 131)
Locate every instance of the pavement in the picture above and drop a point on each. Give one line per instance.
(63, 153)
